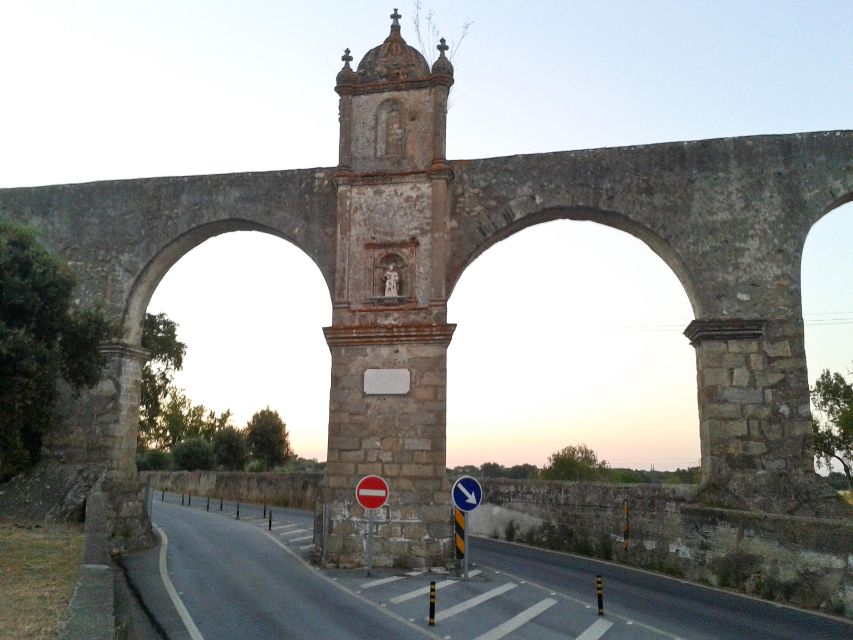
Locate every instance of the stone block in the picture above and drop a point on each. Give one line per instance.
(418, 470)
(753, 448)
(369, 468)
(721, 410)
(788, 364)
(344, 442)
(734, 428)
(716, 376)
(756, 361)
(743, 346)
(417, 444)
(780, 349)
(740, 377)
(743, 396)
(769, 378)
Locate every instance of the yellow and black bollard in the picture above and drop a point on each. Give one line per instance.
(432, 604)
(459, 531)
(599, 591)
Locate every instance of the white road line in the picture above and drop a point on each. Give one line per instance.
(473, 602)
(425, 590)
(306, 546)
(596, 630)
(415, 573)
(376, 583)
(195, 634)
(293, 533)
(278, 527)
(517, 621)
(302, 539)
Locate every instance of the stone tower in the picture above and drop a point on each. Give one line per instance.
(389, 333)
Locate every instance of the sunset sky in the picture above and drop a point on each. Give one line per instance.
(569, 332)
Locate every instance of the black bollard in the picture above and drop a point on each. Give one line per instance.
(220, 504)
(162, 496)
(182, 499)
(599, 591)
(432, 604)
(238, 510)
(207, 508)
(270, 525)
(190, 500)
(265, 509)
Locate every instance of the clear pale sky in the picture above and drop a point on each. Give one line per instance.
(588, 319)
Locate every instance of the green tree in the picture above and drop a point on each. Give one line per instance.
(192, 454)
(833, 430)
(44, 336)
(230, 449)
(153, 460)
(180, 420)
(160, 337)
(268, 438)
(574, 463)
(491, 470)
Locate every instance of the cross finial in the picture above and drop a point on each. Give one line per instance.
(442, 47)
(395, 17)
(347, 58)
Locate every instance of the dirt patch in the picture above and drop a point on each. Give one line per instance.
(39, 567)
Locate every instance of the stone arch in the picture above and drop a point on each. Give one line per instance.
(513, 224)
(157, 267)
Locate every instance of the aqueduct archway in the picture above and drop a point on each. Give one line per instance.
(729, 216)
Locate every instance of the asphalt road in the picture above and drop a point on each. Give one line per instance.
(237, 580)
(683, 609)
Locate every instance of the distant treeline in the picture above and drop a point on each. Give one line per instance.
(619, 475)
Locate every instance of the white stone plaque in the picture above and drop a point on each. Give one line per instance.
(387, 381)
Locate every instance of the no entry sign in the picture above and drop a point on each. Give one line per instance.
(371, 492)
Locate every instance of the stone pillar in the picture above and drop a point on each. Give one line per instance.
(387, 417)
(755, 421)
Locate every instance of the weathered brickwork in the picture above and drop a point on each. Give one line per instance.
(392, 228)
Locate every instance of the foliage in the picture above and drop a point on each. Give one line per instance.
(495, 470)
(153, 460)
(44, 336)
(429, 33)
(193, 453)
(303, 465)
(180, 419)
(574, 463)
(230, 449)
(159, 336)
(833, 431)
(268, 438)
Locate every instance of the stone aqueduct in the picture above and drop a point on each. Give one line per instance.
(729, 216)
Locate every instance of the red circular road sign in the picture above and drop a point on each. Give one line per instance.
(371, 492)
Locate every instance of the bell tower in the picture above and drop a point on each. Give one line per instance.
(389, 333)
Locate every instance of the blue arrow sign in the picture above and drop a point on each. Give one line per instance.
(467, 493)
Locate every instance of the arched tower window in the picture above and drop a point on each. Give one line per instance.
(390, 130)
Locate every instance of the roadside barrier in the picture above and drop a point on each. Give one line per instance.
(432, 604)
(599, 591)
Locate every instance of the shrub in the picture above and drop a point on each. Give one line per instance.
(153, 460)
(230, 449)
(192, 454)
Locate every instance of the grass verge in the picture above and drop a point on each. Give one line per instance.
(39, 568)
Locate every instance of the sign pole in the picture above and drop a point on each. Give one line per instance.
(369, 541)
(465, 537)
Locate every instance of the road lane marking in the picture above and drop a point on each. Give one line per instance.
(195, 634)
(279, 527)
(306, 546)
(376, 583)
(425, 590)
(473, 602)
(333, 582)
(595, 630)
(293, 533)
(517, 621)
(310, 536)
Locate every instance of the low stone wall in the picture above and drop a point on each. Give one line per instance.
(802, 561)
(294, 490)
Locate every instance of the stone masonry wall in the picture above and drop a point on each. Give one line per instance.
(803, 561)
(293, 490)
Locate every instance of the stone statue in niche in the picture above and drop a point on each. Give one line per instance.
(392, 282)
